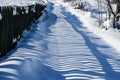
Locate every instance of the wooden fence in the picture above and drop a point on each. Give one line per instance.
(14, 22)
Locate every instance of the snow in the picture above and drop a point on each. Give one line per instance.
(0, 16)
(26, 9)
(114, 7)
(21, 2)
(10, 62)
(64, 44)
(14, 40)
(107, 24)
(14, 10)
(7, 70)
(110, 36)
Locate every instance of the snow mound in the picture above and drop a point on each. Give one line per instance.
(20, 2)
(106, 25)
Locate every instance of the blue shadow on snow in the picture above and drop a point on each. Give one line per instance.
(110, 74)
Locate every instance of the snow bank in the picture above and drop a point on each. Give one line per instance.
(111, 36)
(0, 16)
(21, 2)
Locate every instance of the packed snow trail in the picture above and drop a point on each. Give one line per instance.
(59, 48)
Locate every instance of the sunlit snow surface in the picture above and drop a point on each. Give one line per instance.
(20, 2)
(58, 47)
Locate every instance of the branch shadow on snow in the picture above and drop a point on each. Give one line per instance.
(101, 57)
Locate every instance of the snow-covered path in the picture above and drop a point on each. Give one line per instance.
(60, 48)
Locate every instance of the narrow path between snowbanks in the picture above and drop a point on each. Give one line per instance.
(59, 48)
